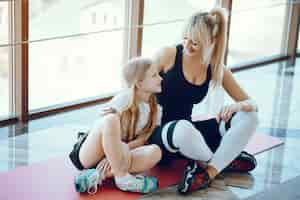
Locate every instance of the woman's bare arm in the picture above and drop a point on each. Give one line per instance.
(165, 58)
(234, 90)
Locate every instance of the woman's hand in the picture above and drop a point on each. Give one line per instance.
(227, 111)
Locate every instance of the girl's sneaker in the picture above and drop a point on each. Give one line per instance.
(87, 181)
(139, 184)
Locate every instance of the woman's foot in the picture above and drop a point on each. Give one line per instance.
(195, 177)
(245, 162)
(87, 181)
(137, 183)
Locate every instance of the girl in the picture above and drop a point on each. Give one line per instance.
(115, 146)
(194, 72)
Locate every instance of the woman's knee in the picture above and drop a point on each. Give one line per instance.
(182, 127)
(185, 123)
(252, 117)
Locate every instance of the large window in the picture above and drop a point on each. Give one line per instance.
(4, 59)
(256, 30)
(76, 47)
(159, 30)
(71, 64)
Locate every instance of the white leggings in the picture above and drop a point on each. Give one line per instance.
(189, 141)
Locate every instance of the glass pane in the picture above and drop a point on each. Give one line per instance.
(293, 118)
(4, 81)
(56, 18)
(4, 60)
(265, 78)
(155, 37)
(158, 36)
(69, 69)
(256, 30)
(4, 23)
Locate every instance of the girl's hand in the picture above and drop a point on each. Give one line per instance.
(227, 111)
(104, 168)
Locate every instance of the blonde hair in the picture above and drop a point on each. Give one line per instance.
(208, 28)
(133, 72)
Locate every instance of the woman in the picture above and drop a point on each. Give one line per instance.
(116, 143)
(194, 72)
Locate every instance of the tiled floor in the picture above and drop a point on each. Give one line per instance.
(274, 87)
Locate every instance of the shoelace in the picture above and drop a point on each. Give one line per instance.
(92, 190)
(102, 170)
(88, 181)
(93, 184)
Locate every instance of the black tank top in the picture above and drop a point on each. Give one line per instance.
(179, 95)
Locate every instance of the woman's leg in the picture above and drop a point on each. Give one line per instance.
(189, 141)
(243, 125)
(233, 142)
(209, 129)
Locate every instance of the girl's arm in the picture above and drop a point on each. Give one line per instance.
(243, 101)
(139, 141)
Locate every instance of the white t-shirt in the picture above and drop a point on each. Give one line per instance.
(121, 101)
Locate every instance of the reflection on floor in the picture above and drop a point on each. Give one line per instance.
(275, 89)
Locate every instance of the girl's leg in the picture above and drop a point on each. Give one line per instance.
(91, 151)
(142, 159)
(103, 140)
(121, 159)
(243, 125)
(117, 153)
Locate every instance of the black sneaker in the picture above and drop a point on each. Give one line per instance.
(195, 177)
(245, 162)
